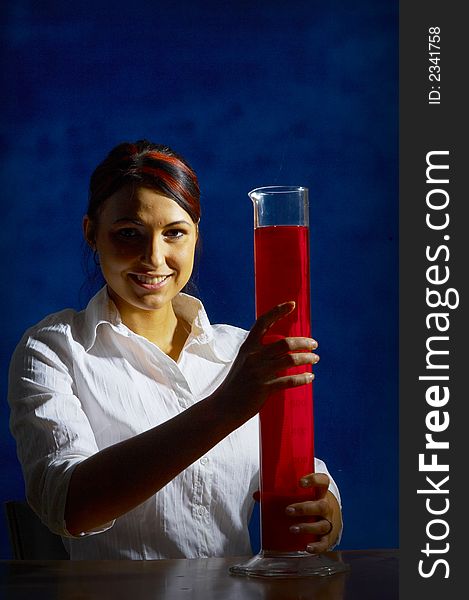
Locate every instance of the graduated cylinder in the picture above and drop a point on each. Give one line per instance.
(282, 268)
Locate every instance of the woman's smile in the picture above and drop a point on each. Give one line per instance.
(150, 282)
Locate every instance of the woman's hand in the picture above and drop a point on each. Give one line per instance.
(254, 374)
(325, 508)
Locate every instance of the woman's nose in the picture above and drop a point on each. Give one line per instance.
(154, 254)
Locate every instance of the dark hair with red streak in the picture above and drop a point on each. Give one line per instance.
(145, 164)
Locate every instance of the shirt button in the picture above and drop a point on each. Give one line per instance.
(204, 460)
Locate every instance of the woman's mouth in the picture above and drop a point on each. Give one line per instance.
(150, 282)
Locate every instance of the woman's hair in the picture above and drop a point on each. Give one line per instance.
(145, 164)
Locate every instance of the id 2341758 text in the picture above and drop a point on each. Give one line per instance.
(434, 69)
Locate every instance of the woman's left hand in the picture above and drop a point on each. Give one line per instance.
(325, 507)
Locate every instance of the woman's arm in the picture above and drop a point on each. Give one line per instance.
(120, 477)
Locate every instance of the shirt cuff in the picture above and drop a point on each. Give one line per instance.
(57, 482)
(94, 531)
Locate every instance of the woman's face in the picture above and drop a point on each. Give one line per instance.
(146, 245)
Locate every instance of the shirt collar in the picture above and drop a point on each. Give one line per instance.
(101, 310)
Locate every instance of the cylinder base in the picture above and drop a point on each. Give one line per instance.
(287, 565)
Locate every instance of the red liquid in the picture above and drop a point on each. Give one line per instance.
(281, 255)
(276, 536)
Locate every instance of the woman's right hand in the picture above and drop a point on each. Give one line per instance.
(255, 371)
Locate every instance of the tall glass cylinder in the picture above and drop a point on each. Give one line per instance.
(281, 259)
(282, 273)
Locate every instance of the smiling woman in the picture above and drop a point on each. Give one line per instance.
(146, 244)
(142, 221)
(136, 419)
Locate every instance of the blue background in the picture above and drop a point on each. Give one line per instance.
(252, 93)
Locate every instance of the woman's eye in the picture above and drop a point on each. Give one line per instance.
(128, 233)
(174, 234)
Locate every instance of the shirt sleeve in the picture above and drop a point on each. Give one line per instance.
(52, 432)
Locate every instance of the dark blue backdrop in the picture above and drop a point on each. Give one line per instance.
(252, 93)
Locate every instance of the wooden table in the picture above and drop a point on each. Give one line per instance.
(373, 575)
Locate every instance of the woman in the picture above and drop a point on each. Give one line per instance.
(136, 419)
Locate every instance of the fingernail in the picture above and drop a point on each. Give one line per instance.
(311, 548)
(314, 344)
(290, 510)
(295, 529)
(304, 482)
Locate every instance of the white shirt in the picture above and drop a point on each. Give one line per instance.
(82, 381)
